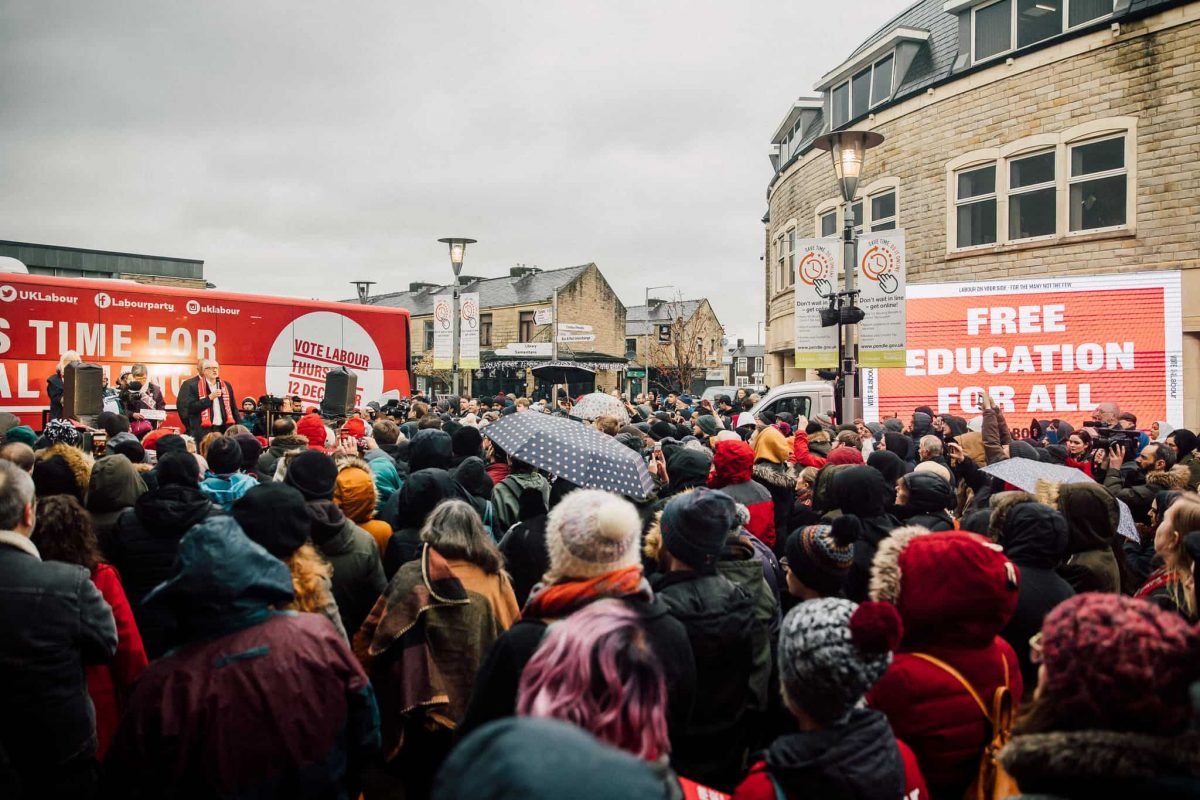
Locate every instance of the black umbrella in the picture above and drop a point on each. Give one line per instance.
(572, 450)
(563, 372)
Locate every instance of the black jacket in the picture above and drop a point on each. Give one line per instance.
(406, 510)
(143, 544)
(268, 460)
(357, 571)
(55, 388)
(495, 692)
(929, 495)
(53, 621)
(525, 555)
(190, 404)
(863, 492)
(856, 760)
(727, 643)
(1035, 539)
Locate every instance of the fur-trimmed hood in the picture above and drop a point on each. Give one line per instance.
(1177, 477)
(1004, 502)
(951, 587)
(79, 462)
(1098, 763)
(775, 475)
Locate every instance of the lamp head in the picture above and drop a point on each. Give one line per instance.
(848, 149)
(458, 249)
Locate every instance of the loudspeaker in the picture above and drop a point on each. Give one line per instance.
(83, 390)
(341, 386)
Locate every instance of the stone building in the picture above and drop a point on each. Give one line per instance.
(75, 262)
(746, 367)
(675, 344)
(511, 341)
(1023, 138)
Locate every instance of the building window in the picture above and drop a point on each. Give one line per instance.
(992, 29)
(741, 380)
(976, 206)
(758, 366)
(881, 81)
(841, 105)
(1006, 24)
(741, 365)
(780, 261)
(485, 330)
(428, 334)
(631, 345)
(860, 93)
(883, 210)
(1098, 184)
(789, 277)
(856, 211)
(527, 326)
(829, 223)
(1031, 196)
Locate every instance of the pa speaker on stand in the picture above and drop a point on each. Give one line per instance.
(341, 387)
(83, 392)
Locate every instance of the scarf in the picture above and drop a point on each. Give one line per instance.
(557, 600)
(226, 406)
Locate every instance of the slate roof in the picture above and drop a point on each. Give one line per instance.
(748, 351)
(507, 290)
(638, 323)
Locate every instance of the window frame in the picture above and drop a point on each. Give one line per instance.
(789, 277)
(865, 194)
(977, 199)
(779, 260)
(872, 101)
(1091, 176)
(742, 366)
(1009, 193)
(427, 334)
(1013, 18)
(485, 330)
(526, 326)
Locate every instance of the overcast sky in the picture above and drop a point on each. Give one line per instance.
(296, 146)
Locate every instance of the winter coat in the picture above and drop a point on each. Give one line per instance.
(1035, 539)
(863, 492)
(802, 454)
(471, 475)
(929, 495)
(387, 475)
(525, 556)
(269, 704)
(1090, 764)
(781, 483)
(859, 759)
(143, 546)
(733, 473)
(357, 570)
(354, 493)
(114, 486)
(407, 510)
(53, 622)
(955, 592)
(743, 565)
(425, 638)
(225, 490)
(733, 665)
(1092, 517)
(686, 468)
(497, 471)
(109, 684)
(268, 460)
(506, 497)
(494, 694)
(430, 449)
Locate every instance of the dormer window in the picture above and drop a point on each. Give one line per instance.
(1004, 25)
(855, 97)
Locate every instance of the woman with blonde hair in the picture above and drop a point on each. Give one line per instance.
(274, 516)
(206, 442)
(1171, 586)
(54, 384)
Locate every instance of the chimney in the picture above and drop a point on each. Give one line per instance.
(418, 286)
(741, 344)
(522, 271)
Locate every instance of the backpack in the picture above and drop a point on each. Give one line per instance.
(991, 782)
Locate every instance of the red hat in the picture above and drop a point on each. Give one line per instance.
(312, 428)
(150, 440)
(950, 587)
(1119, 663)
(355, 427)
(845, 455)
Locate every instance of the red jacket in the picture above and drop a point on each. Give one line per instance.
(108, 684)
(757, 784)
(1084, 466)
(733, 473)
(802, 455)
(497, 471)
(955, 592)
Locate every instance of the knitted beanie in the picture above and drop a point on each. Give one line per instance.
(224, 456)
(273, 514)
(126, 444)
(313, 473)
(695, 526)
(709, 424)
(591, 532)
(21, 433)
(1120, 663)
(831, 652)
(61, 431)
(820, 555)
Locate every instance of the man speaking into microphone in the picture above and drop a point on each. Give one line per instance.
(205, 402)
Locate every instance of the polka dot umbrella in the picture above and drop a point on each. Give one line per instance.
(600, 404)
(572, 450)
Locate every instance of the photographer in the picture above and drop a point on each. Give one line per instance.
(1134, 486)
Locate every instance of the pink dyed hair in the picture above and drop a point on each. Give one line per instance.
(596, 670)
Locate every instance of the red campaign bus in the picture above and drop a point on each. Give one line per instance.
(265, 345)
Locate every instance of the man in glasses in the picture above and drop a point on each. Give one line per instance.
(206, 403)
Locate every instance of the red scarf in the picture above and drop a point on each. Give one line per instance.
(560, 599)
(226, 406)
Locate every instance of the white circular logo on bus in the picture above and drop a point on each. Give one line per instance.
(193, 307)
(315, 343)
(7, 293)
(103, 300)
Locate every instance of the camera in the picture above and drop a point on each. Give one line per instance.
(1110, 437)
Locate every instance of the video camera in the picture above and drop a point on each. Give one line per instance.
(1108, 438)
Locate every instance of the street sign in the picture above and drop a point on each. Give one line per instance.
(526, 349)
(570, 327)
(543, 316)
(635, 372)
(567, 338)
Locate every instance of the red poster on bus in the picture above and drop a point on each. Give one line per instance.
(1044, 349)
(265, 345)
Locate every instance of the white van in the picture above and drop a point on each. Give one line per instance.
(801, 399)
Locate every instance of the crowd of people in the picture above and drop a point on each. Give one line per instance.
(388, 605)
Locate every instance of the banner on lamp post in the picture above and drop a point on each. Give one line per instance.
(468, 330)
(818, 271)
(882, 287)
(443, 331)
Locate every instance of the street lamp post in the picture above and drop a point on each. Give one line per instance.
(849, 151)
(458, 249)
